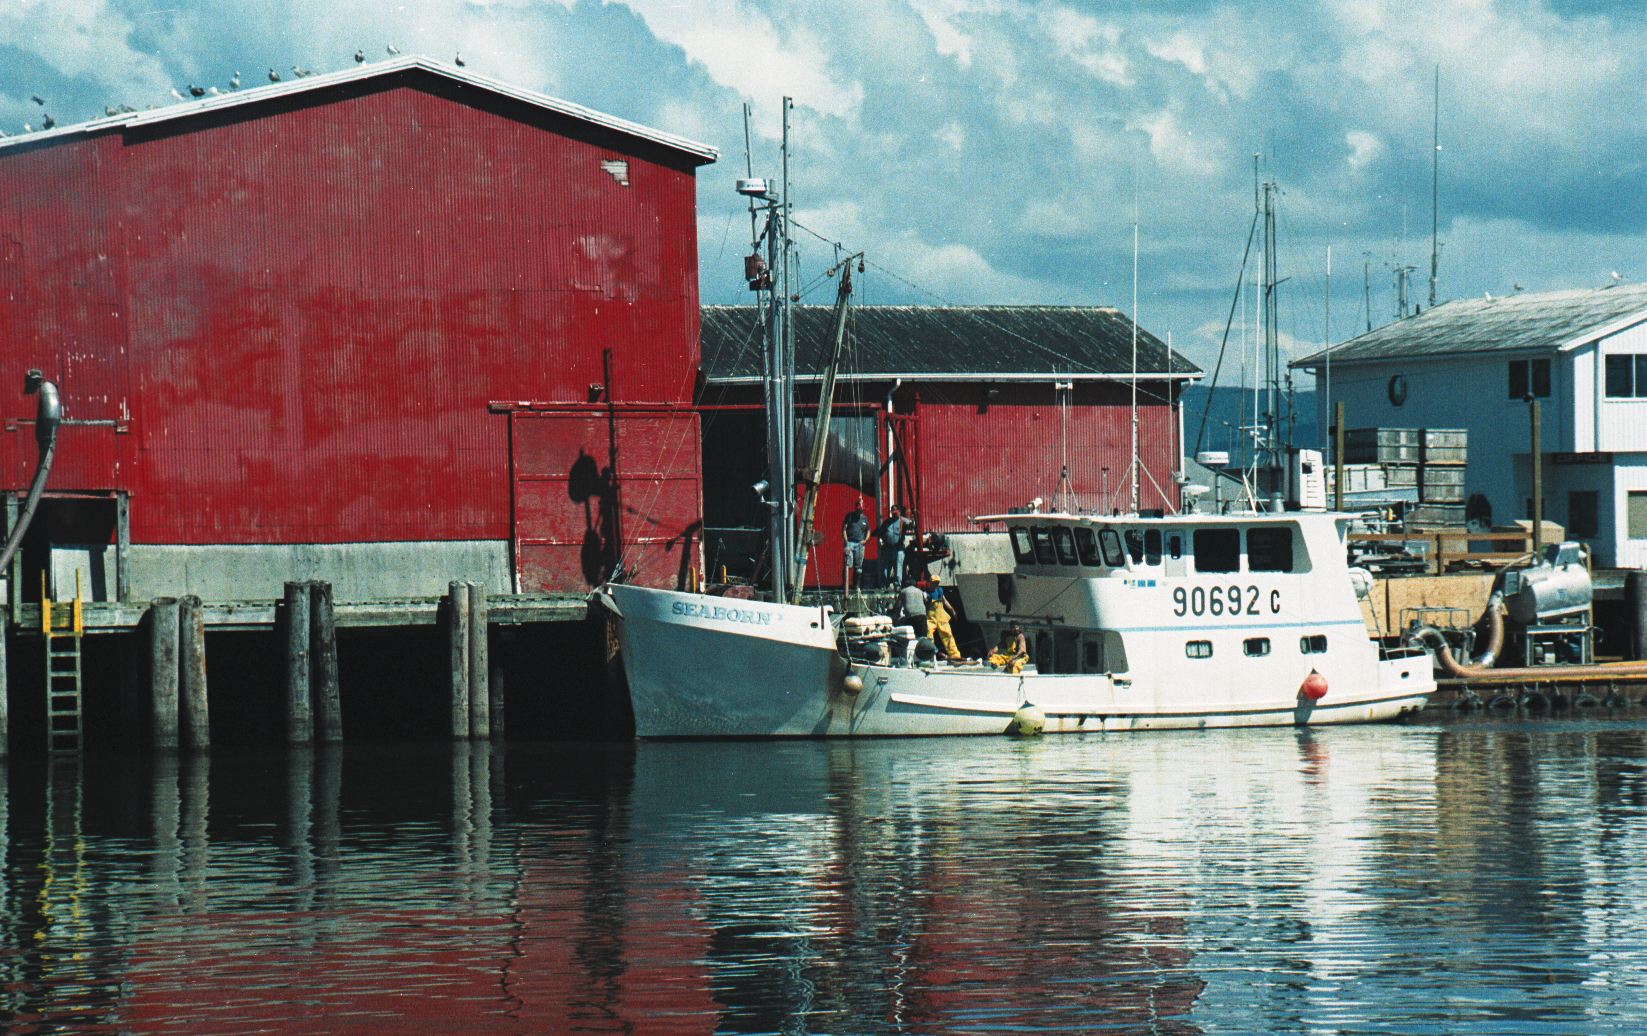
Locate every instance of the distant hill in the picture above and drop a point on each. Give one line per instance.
(1231, 410)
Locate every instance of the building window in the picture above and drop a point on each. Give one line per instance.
(1256, 646)
(1626, 376)
(1198, 649)
(1635, 514)
(1529, 378)
(1316, 644)
(1582, 507)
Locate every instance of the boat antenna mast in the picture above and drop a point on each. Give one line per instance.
(812, 476)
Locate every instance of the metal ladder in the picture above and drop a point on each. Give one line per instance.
(63, 719)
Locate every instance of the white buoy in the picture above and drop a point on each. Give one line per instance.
(852, 684)
(1029, 719)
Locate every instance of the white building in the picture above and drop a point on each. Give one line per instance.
(1476, 364)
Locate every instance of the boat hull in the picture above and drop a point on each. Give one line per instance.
(708, 667)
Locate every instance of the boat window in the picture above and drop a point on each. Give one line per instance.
(1092, 656)
(1175, 546)
(1135, 546)
(1316, 644)
(1198, 649)
(1152, 547)
(1112, 548)
(1256, 646)
(1065, 543)
(1269, 549)
(1217, 550)
(1044, 554)
(1087, 541)
(1043, 652)
(1022, 549)
(1065, 644)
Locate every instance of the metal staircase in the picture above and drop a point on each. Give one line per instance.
(63, 713)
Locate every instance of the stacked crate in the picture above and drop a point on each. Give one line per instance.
(1441, 476)
(1428, 461)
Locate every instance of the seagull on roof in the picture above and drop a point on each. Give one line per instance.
(392, 49)
(37, 99)
(360, 57)
(178, 95)
(274, 77)
(234, 84)
(48, 122)
(457, 59)
(301, 72)
(197, 91)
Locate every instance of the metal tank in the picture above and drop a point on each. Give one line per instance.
(1550, 591)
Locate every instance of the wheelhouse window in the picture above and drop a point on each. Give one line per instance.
(1269, 549)
(1086, 543)
(1529, 378)
(1023, 550)
(1111, 541)
(1255, 647)
(1217, 550)
(1198, 649)
(1135, 546)
(1314, 644)
(1044, 552)
(1626, 376)
(1152, 546)
(1065, 544)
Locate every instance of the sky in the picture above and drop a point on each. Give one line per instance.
(1027, 152)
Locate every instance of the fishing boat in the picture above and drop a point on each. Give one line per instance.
(1177, 622)
(1132, 623)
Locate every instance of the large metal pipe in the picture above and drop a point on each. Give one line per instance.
(47, 415)
(1482, 669)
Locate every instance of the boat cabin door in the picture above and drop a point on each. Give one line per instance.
(1174, 554)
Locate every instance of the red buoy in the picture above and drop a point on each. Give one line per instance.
(1314, 686)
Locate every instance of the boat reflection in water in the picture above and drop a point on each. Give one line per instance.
(1381, 879)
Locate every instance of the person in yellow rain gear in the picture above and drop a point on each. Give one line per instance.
(1011, 651)
(938, 612)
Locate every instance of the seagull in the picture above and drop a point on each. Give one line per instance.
(392, 49)
(301, 72)
(213, 91)
(234, 84)
(360, 57)
(1487, 295)
(197, 91)
(27, 128)
(109, 109)
(1519, 288)
(37, 99)
(178, 95)
(274, 77)
(48, 122)
(457, 59)
(1616, 277)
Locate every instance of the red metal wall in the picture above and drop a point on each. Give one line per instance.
(983, 456)
(298, 312)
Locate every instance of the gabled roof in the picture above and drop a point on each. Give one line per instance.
(947, 343)
(1547, 321)
(703, 153)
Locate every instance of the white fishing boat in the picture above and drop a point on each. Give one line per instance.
(1189, 621)
(1133, 623)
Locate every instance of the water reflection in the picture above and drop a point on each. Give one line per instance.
(1461, 878)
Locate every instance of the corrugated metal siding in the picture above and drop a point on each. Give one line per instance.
(984, 459)
(567, 518)
(323, 299)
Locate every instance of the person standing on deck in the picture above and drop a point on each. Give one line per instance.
(938, 614)
(855, 530)
(912, 607)
(892, 532)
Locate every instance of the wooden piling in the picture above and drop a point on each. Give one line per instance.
(480, 700)
(5, 701)
(196, 718)
(457, 598)
(163, 674)
(323, 633)
(1636, 587)
(495, 687)
(300, 725)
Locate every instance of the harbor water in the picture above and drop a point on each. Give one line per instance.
(1481, 875)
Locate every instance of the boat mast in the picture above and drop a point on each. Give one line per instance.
(813, 474)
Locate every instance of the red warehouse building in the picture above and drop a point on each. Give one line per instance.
(388, 327)
(949, 412)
